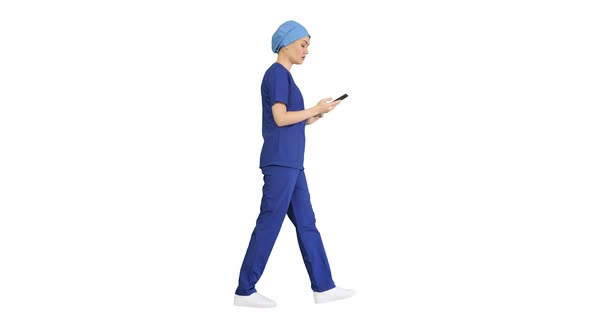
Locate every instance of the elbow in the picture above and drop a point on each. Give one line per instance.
(279, 122)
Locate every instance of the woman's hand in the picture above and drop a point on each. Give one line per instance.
(322, 107)
(314, 119)
(325, 105)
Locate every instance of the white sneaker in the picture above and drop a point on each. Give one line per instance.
(254, 300)
(333, 294)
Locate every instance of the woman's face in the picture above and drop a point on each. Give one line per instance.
(297, 50)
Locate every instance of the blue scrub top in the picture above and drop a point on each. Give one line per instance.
(283, 146)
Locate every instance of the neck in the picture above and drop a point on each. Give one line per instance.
(283, 60)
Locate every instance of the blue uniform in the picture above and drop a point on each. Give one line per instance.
(283, 146)
(285, 191)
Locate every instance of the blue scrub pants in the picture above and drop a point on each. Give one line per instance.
(285, 193)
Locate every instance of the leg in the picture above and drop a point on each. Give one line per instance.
(310, 242)
(276, 195)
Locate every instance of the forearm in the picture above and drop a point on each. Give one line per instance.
(291, 117)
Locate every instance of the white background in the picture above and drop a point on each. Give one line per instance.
(451, 188)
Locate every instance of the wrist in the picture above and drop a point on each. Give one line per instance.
(314, 111)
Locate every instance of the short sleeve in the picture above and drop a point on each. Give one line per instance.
(279, 87)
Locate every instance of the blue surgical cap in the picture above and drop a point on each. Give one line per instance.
(287, 33)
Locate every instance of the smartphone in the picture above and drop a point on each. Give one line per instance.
(341, 97)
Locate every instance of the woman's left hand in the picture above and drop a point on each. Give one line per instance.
(313, 119)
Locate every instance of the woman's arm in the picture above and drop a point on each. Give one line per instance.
(283, 117)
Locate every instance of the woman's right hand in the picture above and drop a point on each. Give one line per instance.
(325, 105)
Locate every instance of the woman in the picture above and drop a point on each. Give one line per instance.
(285, 192)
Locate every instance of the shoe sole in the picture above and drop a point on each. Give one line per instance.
(253, 305)
(321, 300)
